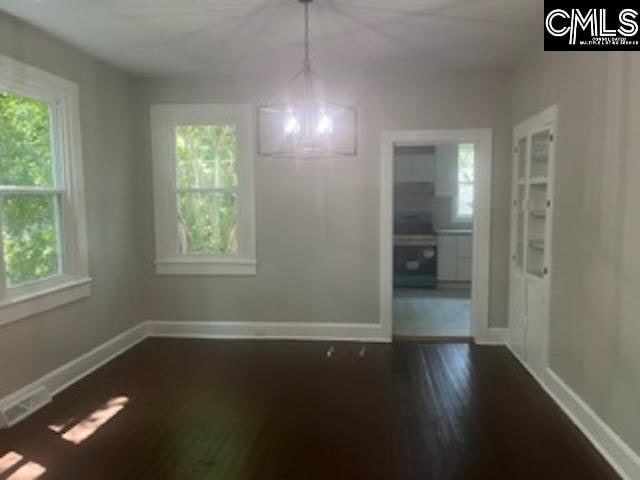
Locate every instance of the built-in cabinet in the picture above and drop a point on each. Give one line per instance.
(532, 208)
(454, 257)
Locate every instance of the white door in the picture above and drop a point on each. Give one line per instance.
(535, 338)
(517, 310)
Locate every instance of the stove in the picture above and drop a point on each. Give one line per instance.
(415, 252)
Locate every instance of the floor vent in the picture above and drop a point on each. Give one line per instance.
(20, 408)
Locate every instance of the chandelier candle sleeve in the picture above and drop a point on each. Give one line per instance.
(301, 122)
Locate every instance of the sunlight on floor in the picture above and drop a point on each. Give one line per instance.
(8, 461)
(62, 426)
(28, 471)
(87, 427)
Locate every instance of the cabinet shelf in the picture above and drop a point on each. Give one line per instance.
(540, 158)
(539, 181)
(537, 244)
(536, 273)
(541, 214)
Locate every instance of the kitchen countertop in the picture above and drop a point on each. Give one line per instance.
(454, 231)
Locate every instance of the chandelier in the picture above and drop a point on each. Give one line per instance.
(301, 122)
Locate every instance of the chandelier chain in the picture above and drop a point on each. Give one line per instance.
(307, 61)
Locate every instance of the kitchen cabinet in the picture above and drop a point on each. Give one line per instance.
(463, 268)
(454, 257)
(414, 168)
(447, 263)
(446, 170)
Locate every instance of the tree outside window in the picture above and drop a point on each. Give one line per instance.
(29, 209)
(464, 199)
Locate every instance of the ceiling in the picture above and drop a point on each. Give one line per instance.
(169, 37)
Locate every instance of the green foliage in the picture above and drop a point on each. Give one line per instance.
(29, 235)
(206, 158)
(29, 230)
(466, 154)
(25, 142)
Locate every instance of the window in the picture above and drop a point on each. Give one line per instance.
(203, 181)
(42, 226)
(463, 202)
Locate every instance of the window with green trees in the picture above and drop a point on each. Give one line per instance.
(204, 200)
(206, 189)
(29, 197)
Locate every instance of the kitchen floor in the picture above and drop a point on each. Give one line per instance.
(431, 313)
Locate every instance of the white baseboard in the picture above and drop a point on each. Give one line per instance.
(492, 336)
(269, 331)
(620, 456)
(68, 374)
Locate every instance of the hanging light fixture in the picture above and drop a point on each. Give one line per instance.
(301, 122)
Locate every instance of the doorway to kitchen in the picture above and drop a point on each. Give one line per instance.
(435, 226)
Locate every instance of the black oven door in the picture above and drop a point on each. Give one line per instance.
(415, 266)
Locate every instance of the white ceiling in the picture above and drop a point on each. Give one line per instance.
(220, 36)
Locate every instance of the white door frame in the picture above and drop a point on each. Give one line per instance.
(483, 138)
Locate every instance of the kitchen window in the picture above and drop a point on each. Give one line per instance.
(43, 247)
(204, 194)
(463, 201)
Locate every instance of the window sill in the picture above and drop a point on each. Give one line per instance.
(32, 303)
(206, 266)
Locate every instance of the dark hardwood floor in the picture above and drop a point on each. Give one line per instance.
(199, 409)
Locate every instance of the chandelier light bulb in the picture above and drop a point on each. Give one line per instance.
(325, 125)
(292, 126)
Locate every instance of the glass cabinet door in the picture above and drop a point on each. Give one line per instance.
(521, 199)
(539, 165)
(537, 202)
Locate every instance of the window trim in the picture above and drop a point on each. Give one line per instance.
(164, 119)
(455, 217)
(73, 282)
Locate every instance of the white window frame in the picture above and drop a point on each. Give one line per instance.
(73, 283)
(455, 217)
(164, 120)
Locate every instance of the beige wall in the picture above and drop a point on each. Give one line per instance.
(317, 221)
(31, 347)
(595, 300)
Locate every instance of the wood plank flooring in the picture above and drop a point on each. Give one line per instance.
(199, 409)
